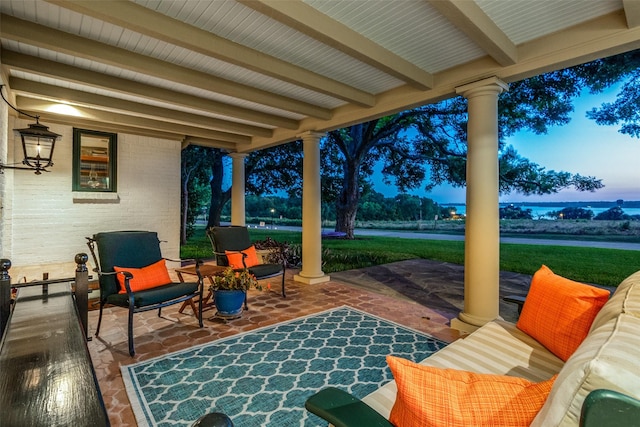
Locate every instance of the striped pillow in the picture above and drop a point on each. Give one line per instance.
(430, 396)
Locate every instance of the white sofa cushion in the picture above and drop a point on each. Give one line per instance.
(626, 299)
(607, 358)
(496, 348)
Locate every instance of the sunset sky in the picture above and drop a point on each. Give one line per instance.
(581, 147)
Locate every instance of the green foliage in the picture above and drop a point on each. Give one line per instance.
(615, 213)
(589, 265)
(572, 213)
(194, 188)
(280, 252)
(235, 280)
(261, 207)
(430, 141)
(624, 110)
(198, 246)
(350, 259)
(199, 200)
(372, 206)
(275, 168)
(515, 212)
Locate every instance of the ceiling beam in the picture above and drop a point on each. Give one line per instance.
(632, 12)
(32, 104)
(133, 108)
(469, 18)
(308, 20)
(153, 24)
(556, 51)
(70, 44)
(192, 140)
(47, 118)
(70, 73)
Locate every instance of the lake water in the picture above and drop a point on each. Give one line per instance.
(541, 211)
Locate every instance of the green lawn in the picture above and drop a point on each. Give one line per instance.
(590, 265)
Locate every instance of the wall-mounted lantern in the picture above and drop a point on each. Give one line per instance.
(37, 144)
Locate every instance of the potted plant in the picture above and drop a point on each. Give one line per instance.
(229, 291)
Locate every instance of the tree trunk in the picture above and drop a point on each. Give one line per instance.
(185, 209)
(347, 203)
(217, 195)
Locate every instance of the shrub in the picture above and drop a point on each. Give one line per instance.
(615, 213)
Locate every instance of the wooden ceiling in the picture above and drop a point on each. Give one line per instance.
(248, 74)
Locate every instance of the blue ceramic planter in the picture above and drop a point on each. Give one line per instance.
(229, 303)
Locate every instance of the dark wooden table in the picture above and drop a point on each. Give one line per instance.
(208, 271)
(46, 374)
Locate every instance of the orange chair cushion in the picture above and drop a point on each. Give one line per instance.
(558, 312)
(429, 396)
(147, 277)
(235, 257)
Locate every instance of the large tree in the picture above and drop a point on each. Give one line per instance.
(625, 110)
(267, 171)
(219, 195)
(360, 148)
(275, 169)
(191, 168)
(202, 166)
(439, 149)
(429, 143)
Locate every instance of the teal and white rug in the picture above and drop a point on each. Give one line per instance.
(263, 377)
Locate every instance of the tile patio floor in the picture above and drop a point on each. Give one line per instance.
(420, 294)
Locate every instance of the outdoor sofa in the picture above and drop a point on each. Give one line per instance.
(607, 358)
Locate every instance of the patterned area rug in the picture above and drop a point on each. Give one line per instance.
(263, 377)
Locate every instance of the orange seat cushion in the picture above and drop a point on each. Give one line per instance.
(235, 257)
(429, 396)
(558, 312)
(147, 277)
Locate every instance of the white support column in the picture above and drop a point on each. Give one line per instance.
(237, 189)
(311, 272)
(482, 233)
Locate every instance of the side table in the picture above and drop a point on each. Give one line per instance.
(208, 271)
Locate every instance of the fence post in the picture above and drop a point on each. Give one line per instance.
(5, 294)
(82, 291)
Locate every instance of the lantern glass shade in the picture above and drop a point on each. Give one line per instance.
(37, 144)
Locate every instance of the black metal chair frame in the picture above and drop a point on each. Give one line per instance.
(131, 296)
(241, 244)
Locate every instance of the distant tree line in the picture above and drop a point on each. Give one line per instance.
(613, 214)
(373, 206)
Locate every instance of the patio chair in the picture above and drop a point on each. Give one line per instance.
(235, 239)
(132, 275)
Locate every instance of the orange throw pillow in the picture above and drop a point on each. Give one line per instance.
(235, 257)
(429, 396)
(147, 277)
(558, 312)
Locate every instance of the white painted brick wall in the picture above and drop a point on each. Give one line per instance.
(48, 227)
